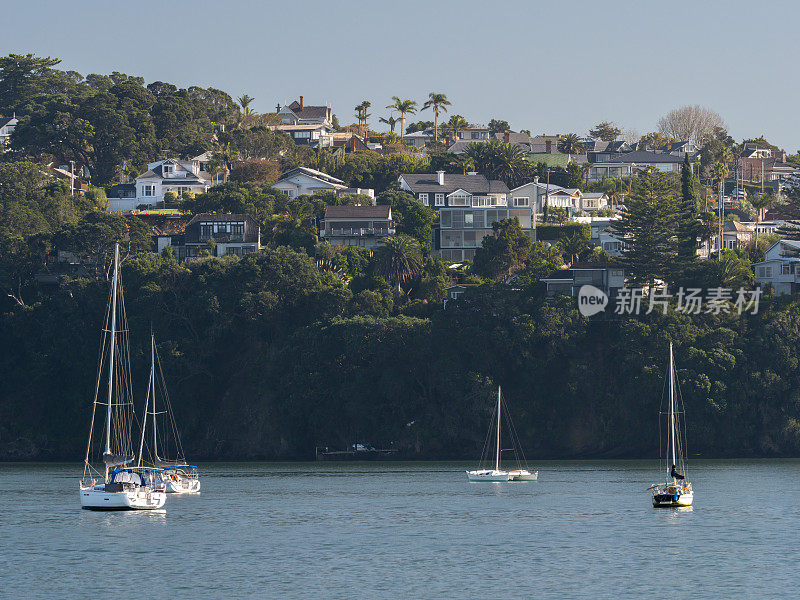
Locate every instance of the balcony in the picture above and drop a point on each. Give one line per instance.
(358, 232)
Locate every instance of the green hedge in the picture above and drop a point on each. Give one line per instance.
(547, 232)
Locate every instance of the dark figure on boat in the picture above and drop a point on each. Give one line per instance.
(675, 473)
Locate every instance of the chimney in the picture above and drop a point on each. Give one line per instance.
(440, 177)
(506, 137)
(301, 103)
(548, 146)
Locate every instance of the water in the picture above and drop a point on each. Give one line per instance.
(409, 530)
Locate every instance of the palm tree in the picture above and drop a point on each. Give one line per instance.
(362, 115)
(438, 102)
(399, 258)
(391, 122)
(570, 144)
(496, 159)
(244, 101)
(457, 123)
(404, 107)
(224, 155)
(572, 246)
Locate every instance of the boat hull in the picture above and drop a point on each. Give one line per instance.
(479, 476)
(523, 475)
(670, 501)
(96, 498)
(183, 486)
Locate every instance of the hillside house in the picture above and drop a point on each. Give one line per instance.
(361, 226)
(170, 175)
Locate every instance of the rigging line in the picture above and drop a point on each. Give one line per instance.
(168, 403)
(100, 360)
(515, 440)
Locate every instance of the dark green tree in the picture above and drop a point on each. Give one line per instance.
(503, 252)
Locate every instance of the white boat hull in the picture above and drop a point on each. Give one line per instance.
(487, 475)
(682, 500)
(96, 498)
(183, 486)
(523, 475)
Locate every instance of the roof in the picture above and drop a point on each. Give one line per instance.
(309, 112)
(311, 173)
(592, 195)
(358, 212)
(551, 160)
(218, 218)
(645, 156)
(736, 226)
(474, 184)
(6, 120)
(568, 275)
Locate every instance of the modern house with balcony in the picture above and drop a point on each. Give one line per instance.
(780, 269)
(307, 125)
(361, 226)
(609, 277)
(627, 164)
(232, 234)
(442, 189)
(170, 175)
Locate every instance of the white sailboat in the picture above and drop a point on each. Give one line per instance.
(120, 487)
(675, 491)
(496, 473)
(178, 476)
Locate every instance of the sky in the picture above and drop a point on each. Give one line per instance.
(548, 66)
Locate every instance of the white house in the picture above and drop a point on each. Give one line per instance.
(7, 126)
(302, 180)
(780, 269)
(603, 235)
(170, 175)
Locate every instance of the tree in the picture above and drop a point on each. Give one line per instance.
(362, 115)
(572, 246)
(438, 102)
(457, 123)
(570, 144)
(410, 216)
(399, 258)
(503, 252)
(690, 123)
(499, 126)
(498, 160)
(257, 171)
(404, 107)
(606, 131)
(26, 77)
(655, 141)
(391, 122)
(419, 126)
(688, 223)
(648, 228)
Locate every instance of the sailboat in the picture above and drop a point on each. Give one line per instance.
(676, 490)
(178, 476)
(496, 473)
(119, 487)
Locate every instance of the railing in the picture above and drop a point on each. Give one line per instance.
(358, 232)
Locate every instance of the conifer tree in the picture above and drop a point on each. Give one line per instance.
(688, 224)
(648, 228)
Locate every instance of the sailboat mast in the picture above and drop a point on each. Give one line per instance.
(144, 419)
(672, 404)
(111, 351)
(497, 454)
(153, 386)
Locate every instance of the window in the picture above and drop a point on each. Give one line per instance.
(786, 269)
(445, 219)
(149, 190)
(302, 134)
(522, 201)
(475, 135)
(458, 200)
(424, 199)
(237, 229)
(439, 199)
(167, 170)
(468, 219)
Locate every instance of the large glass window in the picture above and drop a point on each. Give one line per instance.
(446, 219)
(468, 218)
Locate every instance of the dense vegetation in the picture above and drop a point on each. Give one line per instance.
(305, 345)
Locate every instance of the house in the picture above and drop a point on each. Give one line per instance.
(232, 234)
(442, 189)
(170, 175)
(419, 139)
(780, 269)
(302, 180)
(608, 277)
(624, 165)
(735, 235)
(461, 230)
(758, 165)
(297, 113)
(593, 201)
(361, 226)
(7, 126)
(454, 292)
(307, 125)
(602, 234)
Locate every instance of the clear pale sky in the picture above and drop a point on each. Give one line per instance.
(554, 66)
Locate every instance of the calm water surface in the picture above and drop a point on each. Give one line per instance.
(409, 530)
